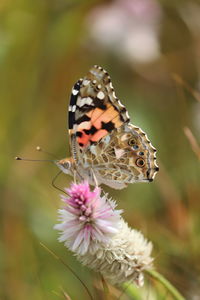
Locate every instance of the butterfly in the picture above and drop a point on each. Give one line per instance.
(106, 148)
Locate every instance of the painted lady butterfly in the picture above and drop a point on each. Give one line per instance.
(106, 148)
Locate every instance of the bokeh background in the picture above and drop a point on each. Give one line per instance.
(151, 49)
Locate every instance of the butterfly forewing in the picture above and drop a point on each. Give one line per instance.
(94, 110)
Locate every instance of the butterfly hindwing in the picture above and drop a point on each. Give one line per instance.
(124, 156)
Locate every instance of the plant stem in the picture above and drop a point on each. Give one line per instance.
(131, 290)
(173, 291)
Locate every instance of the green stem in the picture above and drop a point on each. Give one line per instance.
(134, 293)
(131, 290)
(173, 291)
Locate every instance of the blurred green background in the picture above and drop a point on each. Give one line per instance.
(151, 50)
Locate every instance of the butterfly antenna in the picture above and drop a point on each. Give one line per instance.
(55, 186)
(38, 148)
(45, 160)
(28, 159)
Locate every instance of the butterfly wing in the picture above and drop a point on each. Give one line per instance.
(125, 156)
(101, 134)
(94, 110)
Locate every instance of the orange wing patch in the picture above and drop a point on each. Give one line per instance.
(99, 125)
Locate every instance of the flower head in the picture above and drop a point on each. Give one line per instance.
(88, 219)
(93, 229)
(124, 258)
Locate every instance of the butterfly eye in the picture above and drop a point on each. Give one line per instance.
(140, 162)
(132, 143)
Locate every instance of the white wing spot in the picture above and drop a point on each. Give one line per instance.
(100, 95)
(124, 137)
(93, 149)
(79, 102)
(75, 92)
(119, 153)
(120, 104)
(84, 125)
(88, 100)
(153, 176)
(86, 82)
(114, 95)
(82, 101)
(73, 108)
(106, 139)
(127, 115)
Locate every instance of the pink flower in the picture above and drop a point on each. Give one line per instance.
(92, 227)
(128, 28)
(87, 220)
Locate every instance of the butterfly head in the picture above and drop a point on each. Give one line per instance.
(66, 165)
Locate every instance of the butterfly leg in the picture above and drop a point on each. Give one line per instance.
(94, 178)
(75, 176)
(54, 185)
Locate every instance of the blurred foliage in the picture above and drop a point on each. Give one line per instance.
(45, 46)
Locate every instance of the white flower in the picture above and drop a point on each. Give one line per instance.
(123, 259)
